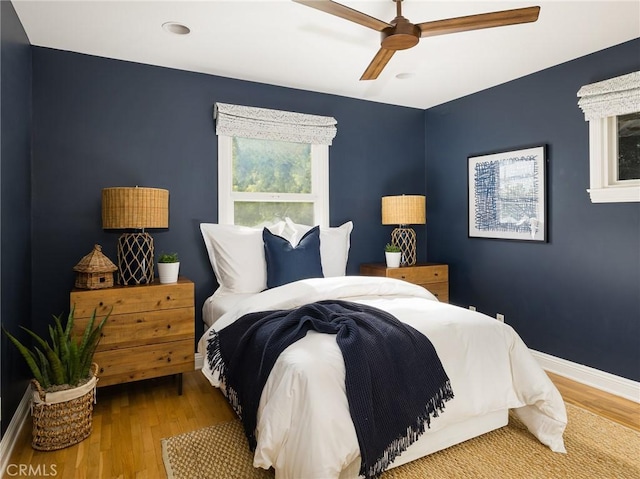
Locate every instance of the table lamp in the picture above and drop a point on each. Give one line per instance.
(135, 208)
(402, 211)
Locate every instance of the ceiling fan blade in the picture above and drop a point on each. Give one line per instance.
(347, 13)
(377, 64)
(476, 22)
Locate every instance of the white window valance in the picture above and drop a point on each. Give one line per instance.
(265, 124)
(613, 97)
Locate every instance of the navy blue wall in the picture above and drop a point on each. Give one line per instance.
(576, 297)
(100, 122)
(15, 203)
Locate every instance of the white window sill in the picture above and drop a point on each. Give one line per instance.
(615, 194)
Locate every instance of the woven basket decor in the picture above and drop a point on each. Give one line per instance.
(62, 418)
(95, 270)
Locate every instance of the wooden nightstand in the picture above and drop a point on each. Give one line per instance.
(431, 276)
(150, 333)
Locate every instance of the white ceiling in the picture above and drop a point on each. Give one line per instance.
(285, 43)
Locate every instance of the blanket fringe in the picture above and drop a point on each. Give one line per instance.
(217, 364)
(433, 408)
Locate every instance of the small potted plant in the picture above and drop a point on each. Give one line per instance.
(393, 255)
(168, 267)
(64, 382)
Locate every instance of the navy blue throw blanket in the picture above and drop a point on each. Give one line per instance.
(394, 380)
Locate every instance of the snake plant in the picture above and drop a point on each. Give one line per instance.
(63, 360)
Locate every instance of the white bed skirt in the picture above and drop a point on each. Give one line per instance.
(432, 442)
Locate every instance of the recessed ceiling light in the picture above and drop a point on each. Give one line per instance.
(176, 28)
(405, 75)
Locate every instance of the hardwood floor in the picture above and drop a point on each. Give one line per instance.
(131, 419)
(599, 402)
(128, 423)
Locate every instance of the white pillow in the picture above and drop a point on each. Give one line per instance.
(334, 245)
(236, 254)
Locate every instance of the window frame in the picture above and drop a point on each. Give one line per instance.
(603, 153)
(319, 195)
(602, 103)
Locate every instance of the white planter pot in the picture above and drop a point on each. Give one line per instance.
(168, 272)
(393, 259)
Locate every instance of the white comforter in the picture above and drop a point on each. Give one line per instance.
(304, 429)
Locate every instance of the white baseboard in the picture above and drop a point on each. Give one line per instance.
(199, 360)
(11, 435)
(610, 383)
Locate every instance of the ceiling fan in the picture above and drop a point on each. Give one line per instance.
(401, 34)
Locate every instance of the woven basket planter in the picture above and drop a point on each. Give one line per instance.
(62, 418)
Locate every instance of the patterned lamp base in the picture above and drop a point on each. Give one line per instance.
(405, 239)
(135, 259)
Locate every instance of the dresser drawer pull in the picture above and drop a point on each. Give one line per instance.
(402, 277)
(435, 274)
(168, 298)
(101, 303)
(168, 360)
(168, 326)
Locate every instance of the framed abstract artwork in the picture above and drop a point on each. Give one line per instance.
(507, 195)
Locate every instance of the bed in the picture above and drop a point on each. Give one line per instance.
(303, 406)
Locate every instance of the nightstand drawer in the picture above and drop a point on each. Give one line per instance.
(132, 299)
(135, 329)
(420, 274)
(439, 290)
(121, 366)
(431, 276)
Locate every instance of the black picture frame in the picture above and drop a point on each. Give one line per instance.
(507, 195)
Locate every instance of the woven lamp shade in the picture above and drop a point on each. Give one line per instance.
(404, 210)
(135, 207)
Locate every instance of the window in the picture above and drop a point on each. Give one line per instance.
(271, 165)
(612, 108)
(262, 181)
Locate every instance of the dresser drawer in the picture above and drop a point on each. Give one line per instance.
(431, 276)
(136, 329)
(131, 299)
(420, 274)
(439, 290)
(123, 365)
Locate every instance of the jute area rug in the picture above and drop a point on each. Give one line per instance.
(596, 448)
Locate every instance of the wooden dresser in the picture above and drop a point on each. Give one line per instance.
(150, 333)
(431, 276)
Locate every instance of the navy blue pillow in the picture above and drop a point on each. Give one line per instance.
(286, 263)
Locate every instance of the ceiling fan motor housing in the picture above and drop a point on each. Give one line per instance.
(401, 36)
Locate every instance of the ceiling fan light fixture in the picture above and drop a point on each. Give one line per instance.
(176, 28)
(401, 36)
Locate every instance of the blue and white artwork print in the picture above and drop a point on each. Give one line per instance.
(507, 195)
